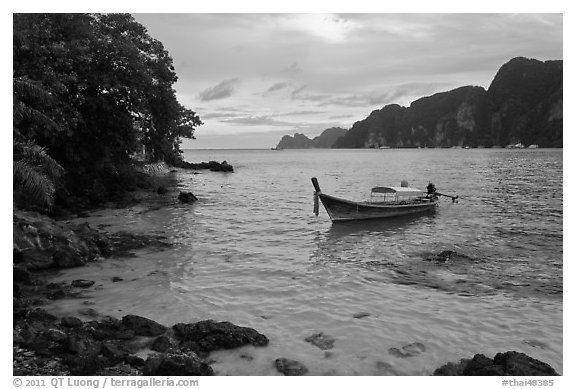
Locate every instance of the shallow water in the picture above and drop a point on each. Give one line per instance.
(250, 251)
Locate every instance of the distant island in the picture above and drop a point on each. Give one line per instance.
(523, 106)
(323, 141)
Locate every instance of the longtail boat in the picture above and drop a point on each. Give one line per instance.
(385, 202)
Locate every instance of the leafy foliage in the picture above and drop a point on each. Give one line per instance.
(111, 90)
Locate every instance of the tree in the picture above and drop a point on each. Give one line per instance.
(112, 86)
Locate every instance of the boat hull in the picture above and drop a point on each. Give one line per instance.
(341, 210)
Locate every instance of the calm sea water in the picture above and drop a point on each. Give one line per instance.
(251, 251)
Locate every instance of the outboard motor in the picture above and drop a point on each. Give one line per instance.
(431, 189)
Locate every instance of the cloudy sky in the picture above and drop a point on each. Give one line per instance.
(253, 78)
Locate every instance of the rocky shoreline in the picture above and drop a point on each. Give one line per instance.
(44, 344)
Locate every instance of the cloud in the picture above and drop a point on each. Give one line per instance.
(220, 115)
(221, 91)
(394, 94)
(346, 116)
(276, 87)
(293, 69)
(258, 120)
(328, 27)
(300, 113)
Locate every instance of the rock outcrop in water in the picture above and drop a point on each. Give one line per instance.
(290, 367)
(213, 166)
(46, 345)
(187, 197)
(300, 141)
(209, 335)
(524, 104)
(510, 363)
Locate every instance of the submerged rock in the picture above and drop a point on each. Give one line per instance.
(407, 351)
(290, 367)
(510, 363)
(209, 335)
(322, 341)
(187, 197)
(82, 283)
(448, 255)
(443, 256)
(176, 363)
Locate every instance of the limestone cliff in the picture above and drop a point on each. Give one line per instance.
(523, 104)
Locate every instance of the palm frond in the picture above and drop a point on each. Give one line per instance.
(36, 186)
(35, 155)
(25, 89)
(23, 112)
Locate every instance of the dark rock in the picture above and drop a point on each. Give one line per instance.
(510, 363)
(161, 344)
(443, 256)
(134, 361)
(481, 365)
(42, 316)
(41, 242)
(82, 344)
(161, 190)
(210, 335)
(322, 341)
(290, 367)
(16, 292)
(71, 322)
(21, 274)
(520, 364)
(66, 257)
(188, 345)
(84, 365)
(212, 165)
(35, 259)
(17, 256)
(113, 352)
(176, 363)
(187, 197)
(110, 328)
(409, 350)
(82, 283)
(143, 326)
(452, 368)
(56, 335)
(222, 167)
(117, 279)
(361, 315)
